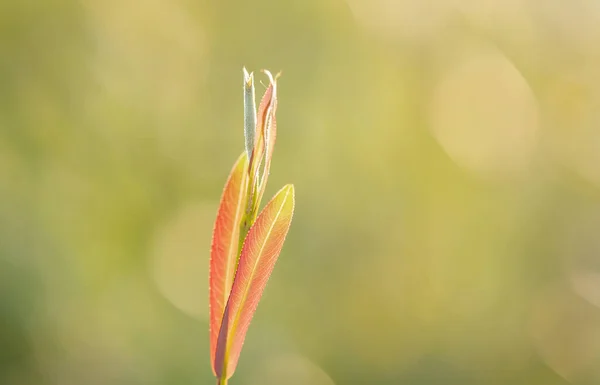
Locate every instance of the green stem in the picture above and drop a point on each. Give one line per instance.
(221, 381)
(244, 228)
(248, 218)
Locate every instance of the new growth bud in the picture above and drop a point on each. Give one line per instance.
(249, 112)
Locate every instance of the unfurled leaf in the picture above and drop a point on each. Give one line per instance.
(225, 245)
(259, 254)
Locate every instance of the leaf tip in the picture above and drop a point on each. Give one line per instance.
(289, 192)
(289, 189)
(248, 77)
(272, 79)
(268, 73)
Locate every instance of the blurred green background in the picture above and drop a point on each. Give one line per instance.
(446, 158)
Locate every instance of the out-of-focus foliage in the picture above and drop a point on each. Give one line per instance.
(446, 162)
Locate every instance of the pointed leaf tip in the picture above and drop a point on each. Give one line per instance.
(248, 77)
(261, 249)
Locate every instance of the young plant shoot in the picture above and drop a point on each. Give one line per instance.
(246, 244)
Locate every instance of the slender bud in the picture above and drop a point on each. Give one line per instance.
(249, 112)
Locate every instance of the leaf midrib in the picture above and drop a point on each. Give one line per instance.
(246, 290)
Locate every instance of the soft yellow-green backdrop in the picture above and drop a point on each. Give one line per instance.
(446, 158)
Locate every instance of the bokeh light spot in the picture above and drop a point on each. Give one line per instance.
(566, 334)
(401, 19)
(484, 115)
(181, 255)
(573, 101)
(587, 285)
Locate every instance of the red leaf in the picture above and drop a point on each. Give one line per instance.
(263, 143)
(225, 246)
(259, 254)
(268, 126)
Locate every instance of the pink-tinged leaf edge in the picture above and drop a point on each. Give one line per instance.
(260, 251)
(264, 141)
(225, 246)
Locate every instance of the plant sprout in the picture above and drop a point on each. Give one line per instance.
(246, 244)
